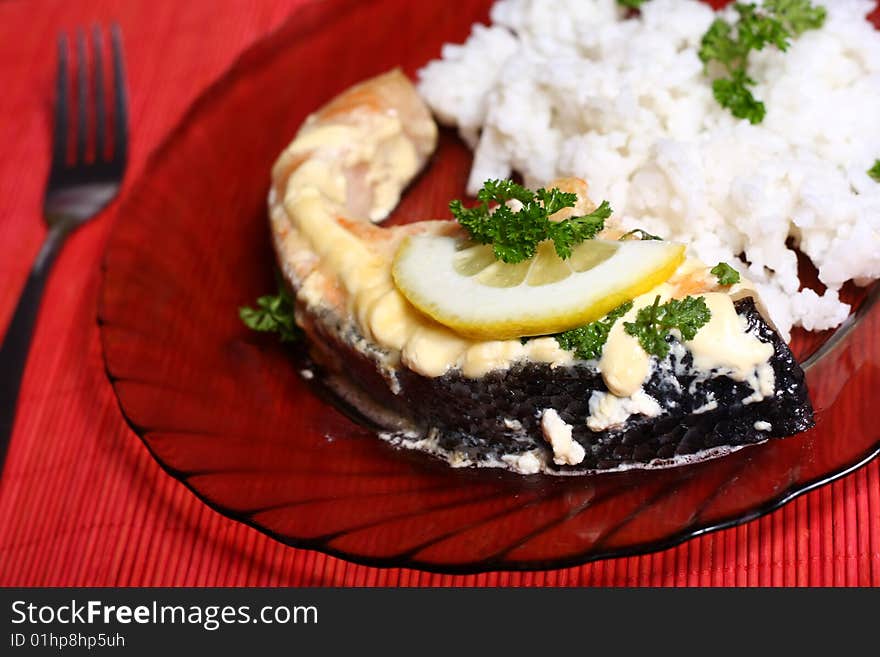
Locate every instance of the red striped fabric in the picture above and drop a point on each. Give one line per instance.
(81, 501)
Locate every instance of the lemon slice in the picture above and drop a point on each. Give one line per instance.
(464, 287)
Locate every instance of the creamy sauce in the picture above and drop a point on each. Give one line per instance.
(557, 432)
(762, 381)
(624, 364)
(526, 463)
(724, 344)
(433, 350)
(608, 410)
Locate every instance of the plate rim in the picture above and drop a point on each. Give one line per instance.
(250, 58)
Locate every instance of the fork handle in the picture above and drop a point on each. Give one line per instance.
(16, 344)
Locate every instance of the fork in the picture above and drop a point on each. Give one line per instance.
(79, 187)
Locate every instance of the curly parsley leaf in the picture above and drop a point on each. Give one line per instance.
(475, 220)
(631, 4)
(587, 341)
(758, 28)
(653, 323)
(726, 274)
(729, 45)
(515, 235)
(874, 171)
(718, 44)
(501, 191)
(733, 94)
(273, 314)
(638, 234)
(574, 230)
(555, 200)
(799, 15)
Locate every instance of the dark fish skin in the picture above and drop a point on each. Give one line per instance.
(470, 414)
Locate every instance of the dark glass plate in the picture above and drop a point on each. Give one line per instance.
(226, 412)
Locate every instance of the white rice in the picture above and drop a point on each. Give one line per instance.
(572, 87)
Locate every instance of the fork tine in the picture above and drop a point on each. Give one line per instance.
(100, 109)
(120, 148)
(82, 96)
(59, 139)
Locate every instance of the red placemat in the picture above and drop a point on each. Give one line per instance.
(82, 502)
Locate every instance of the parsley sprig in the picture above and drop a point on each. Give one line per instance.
(587, 341)
(631, 4)
(638, 234)
(653, 323)
(515, 236)
(774, 23)
(273, 314)
(874, 171)
(726, 274)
